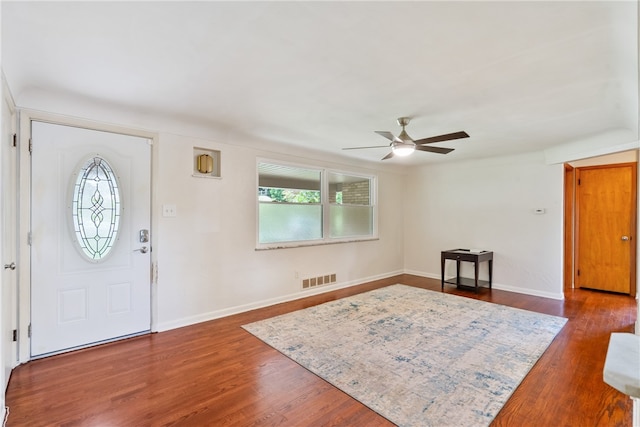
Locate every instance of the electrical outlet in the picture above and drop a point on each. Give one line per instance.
(169, 210)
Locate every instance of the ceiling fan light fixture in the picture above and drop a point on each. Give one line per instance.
(403, 150)
(403, 145)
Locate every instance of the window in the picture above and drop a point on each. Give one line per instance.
(350, 209)
(95, 208)
(299, 205)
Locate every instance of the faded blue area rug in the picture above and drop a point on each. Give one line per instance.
(416, 357)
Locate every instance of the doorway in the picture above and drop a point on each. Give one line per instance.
(600, 226)
(90, 237)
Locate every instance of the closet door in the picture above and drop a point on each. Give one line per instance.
(606, 228)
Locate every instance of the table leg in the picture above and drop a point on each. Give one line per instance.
(442, 259)
(490, 273)
(477, 268)
(458, 273)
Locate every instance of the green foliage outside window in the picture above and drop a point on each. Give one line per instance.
(291, 196)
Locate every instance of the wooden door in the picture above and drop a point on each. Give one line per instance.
(606, 227)
(90, 220)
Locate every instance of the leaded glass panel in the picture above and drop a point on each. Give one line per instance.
(96, 208)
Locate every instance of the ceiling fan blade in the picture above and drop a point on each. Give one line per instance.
(391, 137)
(360, 148)
(388, 156)
(438, 150)
(447, 137)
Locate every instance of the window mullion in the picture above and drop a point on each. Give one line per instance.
(324, 199)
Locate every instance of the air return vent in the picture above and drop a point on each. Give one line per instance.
(313, 282)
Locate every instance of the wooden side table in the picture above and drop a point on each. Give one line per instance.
(467, 255)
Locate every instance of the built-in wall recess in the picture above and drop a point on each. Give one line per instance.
(206, 163)
(312, 282)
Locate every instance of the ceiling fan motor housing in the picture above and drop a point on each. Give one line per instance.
(403, 121)
(404, 136)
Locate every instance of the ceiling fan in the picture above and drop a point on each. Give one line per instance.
(403, 144)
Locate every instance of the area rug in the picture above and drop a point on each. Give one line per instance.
(416, 357)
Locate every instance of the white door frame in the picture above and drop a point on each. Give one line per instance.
(9, 282)
(24, 214)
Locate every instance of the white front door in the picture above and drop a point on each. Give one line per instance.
(90, 241)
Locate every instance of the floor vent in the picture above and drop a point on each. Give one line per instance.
(312, 282)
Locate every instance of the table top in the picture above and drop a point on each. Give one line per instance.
(466, 251)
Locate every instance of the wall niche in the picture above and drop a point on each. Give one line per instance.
(206, 163)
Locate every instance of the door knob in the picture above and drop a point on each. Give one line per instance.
(625, 238)
(143, 250)
(11, 266)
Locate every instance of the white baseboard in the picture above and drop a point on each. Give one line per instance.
(203, 317)
(529, 291)
(191, 320)
(499, 286)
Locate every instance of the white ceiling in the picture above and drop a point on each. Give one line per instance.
(516, 76)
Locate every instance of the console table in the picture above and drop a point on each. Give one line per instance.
(467, 255)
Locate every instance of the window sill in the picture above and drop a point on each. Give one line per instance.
(290, 245)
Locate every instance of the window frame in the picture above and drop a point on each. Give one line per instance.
(325, 204)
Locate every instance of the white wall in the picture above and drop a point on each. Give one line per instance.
(206, 258)
(609, 159)
(207, 263)
(605, 143)
(489, 204)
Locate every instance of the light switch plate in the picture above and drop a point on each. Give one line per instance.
(169, 210)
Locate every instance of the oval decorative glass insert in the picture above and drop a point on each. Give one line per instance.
(95, 208)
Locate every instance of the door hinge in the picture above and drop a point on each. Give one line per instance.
(14, 140)
(578, 272)
(29, 239)
(30, 146)
(15, 335)
(578, 181)
(29, 331)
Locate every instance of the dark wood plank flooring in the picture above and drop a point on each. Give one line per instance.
(216, 374)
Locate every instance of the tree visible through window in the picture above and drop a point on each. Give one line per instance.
(290, 195)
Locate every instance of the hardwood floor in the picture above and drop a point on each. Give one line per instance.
(216, 374)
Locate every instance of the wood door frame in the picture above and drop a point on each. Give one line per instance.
(569, 202)
(634, 213)
(24, 211)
